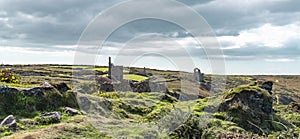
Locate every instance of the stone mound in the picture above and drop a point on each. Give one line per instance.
(42, 97)
(249, 106)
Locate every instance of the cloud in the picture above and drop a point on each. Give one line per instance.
(265, 41)
(59, 23)
(46, 22)
(280, 60)
(266, 35)
(229, 17)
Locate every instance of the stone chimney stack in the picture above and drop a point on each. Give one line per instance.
(109, 67)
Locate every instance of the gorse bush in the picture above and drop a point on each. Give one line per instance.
(8, 76)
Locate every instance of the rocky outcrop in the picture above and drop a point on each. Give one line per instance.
(248, 106)
(46, 96)
(61, 87)
(10, 122)
(40, 90)
(5, 89)
(107, 87)
(103, 79)
(50, 117)
(126, 85)
(71, 111)
(35, 92)
(148, 86)
(268, 85)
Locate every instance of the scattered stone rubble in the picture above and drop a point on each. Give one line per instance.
(71, 111)
(52, 117)
(10, 122)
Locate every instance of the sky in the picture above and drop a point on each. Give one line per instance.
(254, 36)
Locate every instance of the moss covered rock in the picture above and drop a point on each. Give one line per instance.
(49, 118)
(249, 106)
(25, 102)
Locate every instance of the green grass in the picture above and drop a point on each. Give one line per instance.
(100, 69)
(248, 87)
(134, 77)
(17, 85)
(106, 69)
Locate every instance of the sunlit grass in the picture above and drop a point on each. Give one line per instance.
(106, 69)
(100, 69)
(17, 85)
(134, 77)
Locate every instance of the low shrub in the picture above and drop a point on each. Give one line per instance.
(8, 76)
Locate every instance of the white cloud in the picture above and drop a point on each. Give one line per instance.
(280, 60)
(267, 35)
(3, 13)
(5, 20)
(21, 55)
(33, 18)
(66, 46)
(26, 50)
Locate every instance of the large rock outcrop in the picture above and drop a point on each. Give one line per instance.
(249, 106)
(5, 89)
(42, 97)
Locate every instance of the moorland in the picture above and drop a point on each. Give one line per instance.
(64, 101)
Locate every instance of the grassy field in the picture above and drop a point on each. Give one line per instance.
(134, 77)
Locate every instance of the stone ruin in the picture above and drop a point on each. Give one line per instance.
(144, 73)
(199, 77)
(115, 81)
(115, 72)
